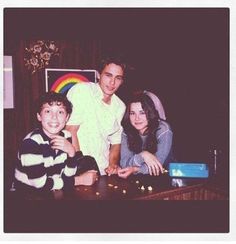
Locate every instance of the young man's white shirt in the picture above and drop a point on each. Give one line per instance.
(99, 122)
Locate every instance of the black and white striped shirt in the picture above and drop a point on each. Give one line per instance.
(40, 167)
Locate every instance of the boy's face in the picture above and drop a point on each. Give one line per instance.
(111, 78)
(53, 118)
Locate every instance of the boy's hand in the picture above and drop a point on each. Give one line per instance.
(87, 179)
(61, 143)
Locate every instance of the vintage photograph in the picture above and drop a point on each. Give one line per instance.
(120, 120)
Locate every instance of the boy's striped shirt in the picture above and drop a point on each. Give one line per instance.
(39, 166)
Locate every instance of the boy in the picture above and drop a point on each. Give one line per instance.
(46, 158)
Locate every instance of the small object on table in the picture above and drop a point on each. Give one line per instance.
(115, 187)
(137, 182)
(97, 193)
(142, 188)
(110, 185)
(124, 191)
(165, 171)
(149, 188)
(188, 170)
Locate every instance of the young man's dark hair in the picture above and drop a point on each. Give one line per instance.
(115, 59)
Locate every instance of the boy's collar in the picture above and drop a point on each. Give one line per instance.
(45, 137)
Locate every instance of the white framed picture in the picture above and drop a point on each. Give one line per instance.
(8, 86)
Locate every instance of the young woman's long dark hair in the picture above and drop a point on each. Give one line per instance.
(134, 138)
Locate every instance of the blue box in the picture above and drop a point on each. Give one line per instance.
(188, 170)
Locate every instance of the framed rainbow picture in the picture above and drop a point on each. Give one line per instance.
(61, 80)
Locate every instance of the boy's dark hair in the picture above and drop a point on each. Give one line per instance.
(115, 59)
(50, 98)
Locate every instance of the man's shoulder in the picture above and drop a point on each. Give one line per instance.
(84, 84)
(81, 86)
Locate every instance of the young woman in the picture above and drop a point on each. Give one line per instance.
(146, 143)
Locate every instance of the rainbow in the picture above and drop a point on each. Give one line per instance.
(65, 82)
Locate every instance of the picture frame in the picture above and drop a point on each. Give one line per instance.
(8, 83)
(61, 80)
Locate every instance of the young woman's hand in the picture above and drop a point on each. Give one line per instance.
(61, 143)
(126, 172)
(154, 166)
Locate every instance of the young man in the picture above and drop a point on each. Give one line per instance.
(46, 159)
(97, 114)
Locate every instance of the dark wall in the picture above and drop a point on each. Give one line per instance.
(180, 54)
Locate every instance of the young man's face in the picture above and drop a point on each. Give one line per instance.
(53, 118)
(111, 78)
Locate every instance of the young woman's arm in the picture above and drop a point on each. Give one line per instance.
(164, 145)
(130, 159)
(153, 164)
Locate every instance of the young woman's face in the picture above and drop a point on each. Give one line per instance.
(138, 117)
(53, 118)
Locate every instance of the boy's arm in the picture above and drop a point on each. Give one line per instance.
(73, 130)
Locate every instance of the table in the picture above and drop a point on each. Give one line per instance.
(145, 187)
(115, 210)
(142, 187)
